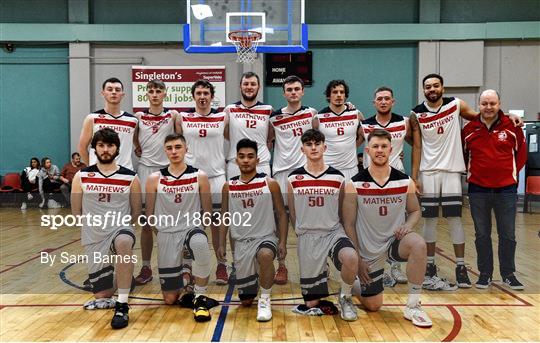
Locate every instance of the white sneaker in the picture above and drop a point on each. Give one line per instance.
(42, 203)
(101, 303)
(397, 274)
(23, 206)
(53, 204)
(436, 283)
(264, 310)
(348, 309)
(417, 316)
(29, 196)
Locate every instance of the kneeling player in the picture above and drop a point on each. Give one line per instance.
(179, 191)
(249, 200)
(376, 203)
(97, 191)
(315, 200)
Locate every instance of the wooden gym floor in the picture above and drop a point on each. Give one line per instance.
(41, 303)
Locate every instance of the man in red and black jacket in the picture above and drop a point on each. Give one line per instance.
(495, 151)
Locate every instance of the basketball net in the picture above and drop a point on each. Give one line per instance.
(246, 43)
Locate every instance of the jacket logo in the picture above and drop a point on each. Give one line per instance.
(502, 136)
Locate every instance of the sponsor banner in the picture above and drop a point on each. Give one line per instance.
(178, 81)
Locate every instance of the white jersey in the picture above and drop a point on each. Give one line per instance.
(316, 199)
(251, 208)
(205, 141)
(397, 127)
(249, 122)
(288, 128)
(124, 125)
(178, 199)
(104, 198)
(381, 210)
(441, 137)
(153, 128)
(340, 132)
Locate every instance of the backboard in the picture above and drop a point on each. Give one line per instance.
(280, 22)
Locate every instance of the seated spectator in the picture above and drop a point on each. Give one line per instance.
(29, 180)
(49, 182)
(68, 172)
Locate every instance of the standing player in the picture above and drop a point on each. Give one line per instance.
(98, 191)
(376, 204)
(255, 196)
(112, 117)
(155, 124)
(315, 201)
(287, 126)
(340, 124)
(248, 118)
(180, 191)
(399, 129)
(438, 175)
(204, 131)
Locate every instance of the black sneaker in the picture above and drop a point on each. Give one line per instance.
(431, 270)
(120, 319)
(201, 313)
(484, 281)
(513, 282)
(462, 277)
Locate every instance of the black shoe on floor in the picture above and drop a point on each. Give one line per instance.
(484, 281)
(431, 270)
(201, 313)
(462, 277)
(513, 282)
(121, 318)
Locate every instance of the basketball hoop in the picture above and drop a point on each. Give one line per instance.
(246, 43)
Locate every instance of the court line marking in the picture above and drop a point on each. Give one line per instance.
(218, 329)
(49, 250)
(501, 288)
(456, 328)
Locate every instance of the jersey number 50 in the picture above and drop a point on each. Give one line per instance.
(315, 201)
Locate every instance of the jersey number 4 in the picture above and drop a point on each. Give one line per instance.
(440, 130)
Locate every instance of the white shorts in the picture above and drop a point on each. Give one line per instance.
(282, 179)
(349, 173)
(233, 170)
(216, 185)
(441, 188)
(144, 172)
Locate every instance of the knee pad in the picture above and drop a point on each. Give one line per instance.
(456, 230)
(429, 231)
(201, 255)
